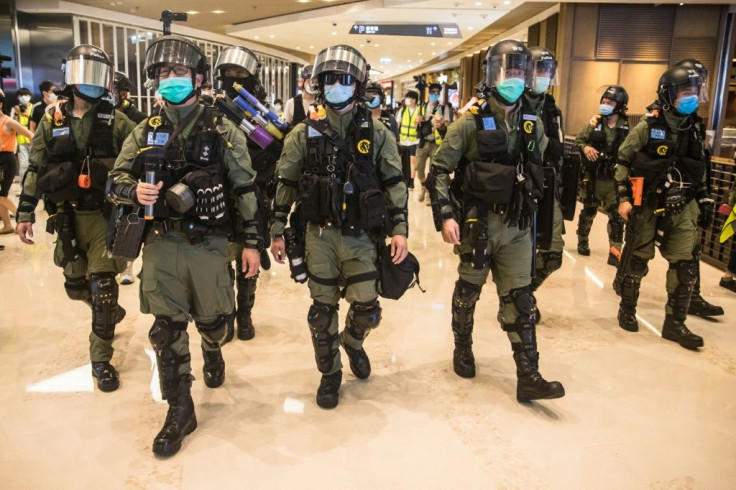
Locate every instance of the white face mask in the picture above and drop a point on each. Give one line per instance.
(52, 97)
(277, 107)
(408, 101)
(24, 99)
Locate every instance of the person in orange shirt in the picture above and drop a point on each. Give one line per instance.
(9, 130)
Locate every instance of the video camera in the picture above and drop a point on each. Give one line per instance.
(4, 70)
(421, 83)
(167, 17)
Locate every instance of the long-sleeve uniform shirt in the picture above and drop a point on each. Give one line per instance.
(385, 157)
(235, 162)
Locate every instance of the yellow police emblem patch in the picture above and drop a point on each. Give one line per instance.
(155, 121)
(364, 146)
(662, 150)
(528, 127)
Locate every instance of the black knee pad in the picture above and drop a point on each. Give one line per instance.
(526, 304)
(214, 332)
(320, 318)
(104, 291)
(466, 294)
(78, 289)
(164, 332)
(589, 212)
(366, 317)
(687, 271)
(637, 268)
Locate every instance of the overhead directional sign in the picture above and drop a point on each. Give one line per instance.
(418, 30)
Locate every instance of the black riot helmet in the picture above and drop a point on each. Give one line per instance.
(86, 64)
(240, 58)
(699, 67)
(619, 95)
(372, 88)
(306, 72)
(176, 50)
(544, 69)
(309, 84)
(121, 82)
(343, 64)
(508, 60)
(673, 81)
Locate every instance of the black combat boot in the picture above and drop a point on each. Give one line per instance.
(180, 420)
(464, 298)
(328, 392)
(245, 299)
(698, 305)
(530, 384)
(583, 247)
(361, 319)
(106, 375)
(676, 331)
(626, 285)
(230, 327)
(214, 367)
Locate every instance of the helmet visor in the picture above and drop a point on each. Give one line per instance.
(87, 71)
(342, 59)
(507, 66)
(237, 57)
(174, 51)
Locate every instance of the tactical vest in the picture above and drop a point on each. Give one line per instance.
(662, 156)
(491, 179)
(78, 176)
(195, 162)
(340, 184)
(598, 137)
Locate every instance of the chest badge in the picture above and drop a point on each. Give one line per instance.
(662, 150)
(528, 127)
(155, 121)
(364, 146)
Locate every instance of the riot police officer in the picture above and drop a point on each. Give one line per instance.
(549, 255)
(72, 151)
(495, 151)
(666, 150)
(598, 142)
(698, 305)
(375, 101)
(199, 162)
(237, 64)
(121, 86)
(341, 168)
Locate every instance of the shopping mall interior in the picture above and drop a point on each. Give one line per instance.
(645, 407)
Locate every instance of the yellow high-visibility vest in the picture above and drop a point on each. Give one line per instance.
(24, 119)
(408, 130)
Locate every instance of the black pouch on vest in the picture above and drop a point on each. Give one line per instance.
(653, 170)
(60, 181)
(489, 182)
(99, 168)
(493, 146)
(309, 198)
(210, 201)
(372, 209)
(125, 233)
(395, 279)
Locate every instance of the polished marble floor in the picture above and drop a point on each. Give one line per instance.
(640, 412)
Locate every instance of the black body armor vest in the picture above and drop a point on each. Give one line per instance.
(552, 118)
(79, 176)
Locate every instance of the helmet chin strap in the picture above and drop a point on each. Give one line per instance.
(343, 108)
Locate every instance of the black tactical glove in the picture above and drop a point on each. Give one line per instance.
(705, 220)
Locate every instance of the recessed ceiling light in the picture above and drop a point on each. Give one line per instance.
(470, 28)
(302, 1)
(271, 36)
(218, 11)
(334, 33)
(434, 53)
(376, 45)
(432, 43)
(298, 47)
(419, 54)
(362, 45)
(256, 37)
(507, 2)
(478, 4)
(311, 47)
(449, 43)
(408, 61)
(192, 12)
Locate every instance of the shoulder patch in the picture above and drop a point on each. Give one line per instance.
(157, 139)
(55, 132)
(312, 132)
(489, 124)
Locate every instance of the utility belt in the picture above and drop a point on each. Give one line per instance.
(196, 232)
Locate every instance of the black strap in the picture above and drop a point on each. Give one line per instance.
(364, 277)
(180, 127)
(393, 181)
(324, 282)
(244, 189)
(299, 114)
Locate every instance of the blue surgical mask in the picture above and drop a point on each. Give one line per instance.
(687, 105)
(338, 93)
(434, 97)
(541, 84)
(175, 89)
(511, 89)
(605, 110)
(91, 91)
(374, 102)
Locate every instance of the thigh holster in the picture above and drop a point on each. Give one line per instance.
(320, 318)
(104, 292)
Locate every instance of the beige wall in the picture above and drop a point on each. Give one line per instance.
(583, 78)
